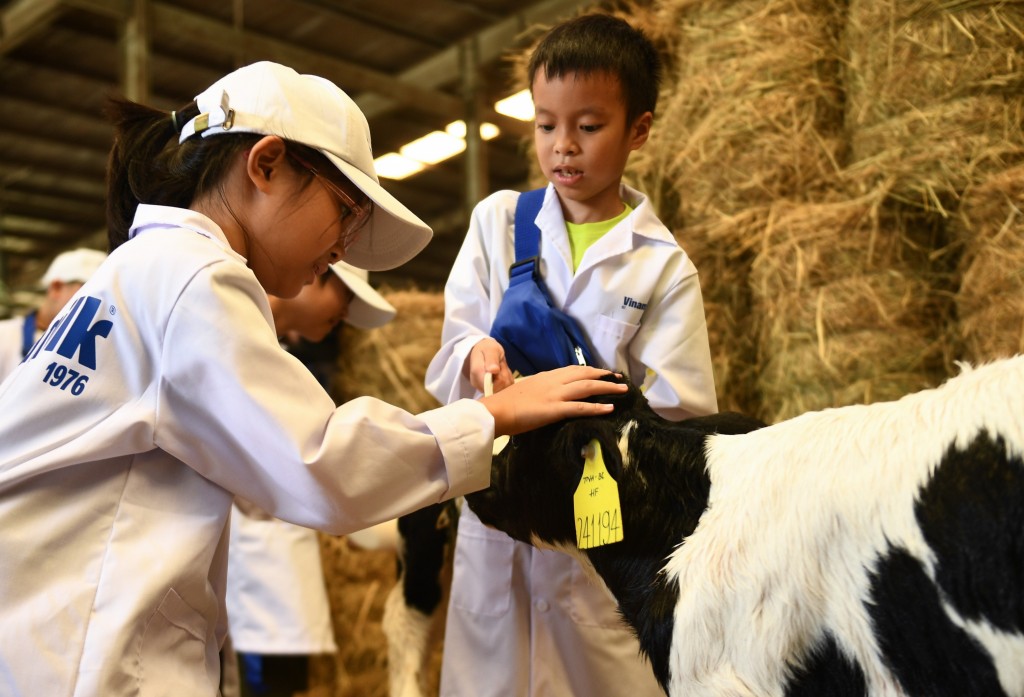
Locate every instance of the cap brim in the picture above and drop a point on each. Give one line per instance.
(368, 309)
(393, 235)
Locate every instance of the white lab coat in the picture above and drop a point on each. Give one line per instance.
(276, 596)
(11, 340)
(160, 394)
(523, 621)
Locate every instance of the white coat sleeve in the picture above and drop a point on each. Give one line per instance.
(472, 295)
(672, 342)
(248, 416)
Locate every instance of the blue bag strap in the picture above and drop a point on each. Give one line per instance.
(28, 333)
(527, 234)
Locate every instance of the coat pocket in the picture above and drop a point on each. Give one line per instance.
(482, 575)
(609, 327)
(172, 653)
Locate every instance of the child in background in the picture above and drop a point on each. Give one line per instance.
(161, 393)
(278, 609)
(65, 275)
(523, 621)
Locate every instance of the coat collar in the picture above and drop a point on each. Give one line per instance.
(149, 217)
(642, 222)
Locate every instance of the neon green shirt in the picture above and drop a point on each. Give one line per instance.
(582, 235)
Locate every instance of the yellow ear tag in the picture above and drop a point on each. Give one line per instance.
(596, 502)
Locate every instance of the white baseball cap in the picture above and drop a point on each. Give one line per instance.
(75, 266)
(368, 309)
(273, 99)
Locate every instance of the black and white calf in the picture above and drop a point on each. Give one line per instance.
(424, 537)
(866, 550)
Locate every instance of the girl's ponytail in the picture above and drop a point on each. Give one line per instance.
(148, 165)
(136, 165)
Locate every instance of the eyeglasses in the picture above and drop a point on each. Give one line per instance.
(353, 215)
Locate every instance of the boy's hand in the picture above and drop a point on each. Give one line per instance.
(488, 356)
(549, 397)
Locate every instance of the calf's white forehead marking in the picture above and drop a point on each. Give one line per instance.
(624, 444)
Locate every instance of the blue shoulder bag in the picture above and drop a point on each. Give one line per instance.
(535, 334)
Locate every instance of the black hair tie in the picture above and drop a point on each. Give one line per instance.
(174, 122)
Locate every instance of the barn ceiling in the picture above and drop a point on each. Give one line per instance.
(412, 65)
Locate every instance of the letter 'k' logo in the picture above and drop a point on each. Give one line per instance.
(75, 332)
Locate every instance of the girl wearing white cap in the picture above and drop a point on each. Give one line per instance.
(161, 392)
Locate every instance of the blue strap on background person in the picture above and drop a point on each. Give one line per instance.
(535, 334)
(28, 333)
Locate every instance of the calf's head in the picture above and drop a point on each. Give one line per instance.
(534, 477)
(658, 466)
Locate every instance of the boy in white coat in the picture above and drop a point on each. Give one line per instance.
(161, 392)
(522, 621)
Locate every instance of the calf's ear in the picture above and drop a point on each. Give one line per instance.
(612, 457)
(605, 437)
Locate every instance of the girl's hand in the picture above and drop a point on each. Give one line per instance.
(488, 356)
(548, 397)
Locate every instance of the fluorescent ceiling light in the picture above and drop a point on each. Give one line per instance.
(488, 131)
(394, 166)
(433, 147)
(440, 145)
(518, 106)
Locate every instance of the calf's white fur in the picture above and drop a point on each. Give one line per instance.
(851, 531)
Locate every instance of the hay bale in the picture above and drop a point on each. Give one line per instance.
(847, 314)
(357, 582)
(391, 362)
(936, 94)
(754, 111)
(722, 250)
(990, 300)
(750, 112)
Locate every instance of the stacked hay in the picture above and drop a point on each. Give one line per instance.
(358, 582)
(837, 220)
(856, 287)
(389, 363)
(750, 112)
(844, 309)
(990, 300)
(934, 94)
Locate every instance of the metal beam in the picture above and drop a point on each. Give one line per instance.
(475, 161)
(134, 44)
(177, 23)
(23, 19)
(24, 226)
(415, 88)
(493, 42)
(50, 206)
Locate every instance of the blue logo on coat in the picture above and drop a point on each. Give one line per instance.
(75, 333)
(635, 304)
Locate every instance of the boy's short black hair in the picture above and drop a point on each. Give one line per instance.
(602, 43)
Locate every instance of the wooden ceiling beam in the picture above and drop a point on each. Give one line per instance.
(58, 180)
(415, 88)
(493, 42)
(23, 19)
(208, 33)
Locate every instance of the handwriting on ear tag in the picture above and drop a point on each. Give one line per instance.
(596, 502)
